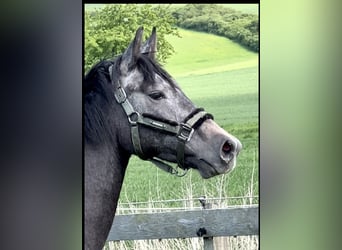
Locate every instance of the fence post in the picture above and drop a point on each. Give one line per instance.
(208, 242)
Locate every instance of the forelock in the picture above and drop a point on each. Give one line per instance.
(149, 68)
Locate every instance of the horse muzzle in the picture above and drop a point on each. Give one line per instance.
(214, 150)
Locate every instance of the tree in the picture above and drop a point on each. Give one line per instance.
(108, 31)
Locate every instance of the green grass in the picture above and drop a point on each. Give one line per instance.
(200, 53)
(222, 77)
(231, 95)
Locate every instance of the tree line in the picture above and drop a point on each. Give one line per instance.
(240, 27)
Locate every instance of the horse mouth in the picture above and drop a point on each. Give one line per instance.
(207, 169)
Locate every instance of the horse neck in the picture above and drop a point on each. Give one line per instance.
(104, 173)
(105, 166)
(107, 159)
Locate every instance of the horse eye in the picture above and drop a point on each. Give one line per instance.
(157, 95)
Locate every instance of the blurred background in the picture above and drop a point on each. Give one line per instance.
(300, 83)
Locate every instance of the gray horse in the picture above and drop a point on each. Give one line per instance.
(133, 106)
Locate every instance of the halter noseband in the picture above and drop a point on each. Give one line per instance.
(183, 131)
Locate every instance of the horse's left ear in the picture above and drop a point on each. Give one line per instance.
(150, 46)
(132, 53)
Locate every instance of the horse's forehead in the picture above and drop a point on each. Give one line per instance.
(160, 80)
(135, 78)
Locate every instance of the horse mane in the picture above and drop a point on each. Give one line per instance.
(97, 79)
(98, 93)
(97, 96)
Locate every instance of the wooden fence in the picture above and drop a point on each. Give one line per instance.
(206, 223)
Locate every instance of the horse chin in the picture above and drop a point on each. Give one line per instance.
(208, 170)
(205, 168)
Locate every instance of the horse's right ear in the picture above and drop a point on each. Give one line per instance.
(130, 56)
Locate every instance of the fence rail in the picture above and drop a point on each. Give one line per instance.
(208, 223)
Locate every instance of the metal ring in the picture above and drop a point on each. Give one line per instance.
(176, 173)
(135, 115)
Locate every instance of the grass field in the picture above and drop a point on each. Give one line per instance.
(199, 53)
(226, 86)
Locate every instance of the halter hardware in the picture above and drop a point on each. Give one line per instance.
(185, 132)
(133, 118)
(182, 131)
(120, 95)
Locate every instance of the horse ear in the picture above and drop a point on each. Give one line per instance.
(150, 46)
(130, 56)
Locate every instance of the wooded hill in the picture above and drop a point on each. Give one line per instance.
(242, 28)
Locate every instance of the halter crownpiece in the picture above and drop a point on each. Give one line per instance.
(183, 131)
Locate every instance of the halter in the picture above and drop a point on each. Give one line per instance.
(183, 131)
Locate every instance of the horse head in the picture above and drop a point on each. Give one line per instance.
(164, 124)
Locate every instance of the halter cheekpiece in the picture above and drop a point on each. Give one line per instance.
(183, 131)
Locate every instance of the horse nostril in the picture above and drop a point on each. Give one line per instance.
(227, 147)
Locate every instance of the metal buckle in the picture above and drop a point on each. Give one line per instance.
(185, 132)
(120, 95)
